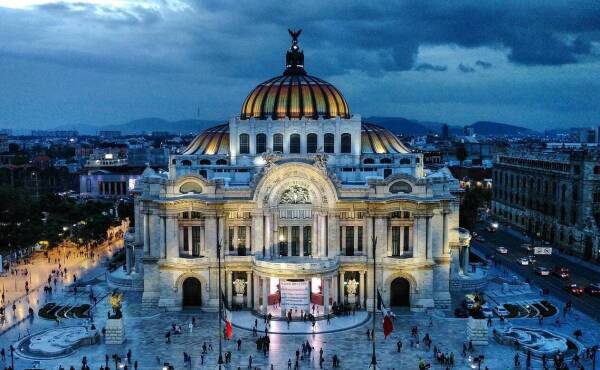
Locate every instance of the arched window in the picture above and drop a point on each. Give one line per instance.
(190, 187)
(385, 161)
(261, 143)
(402, 161)
(294, 143)
(328, 141)
(346, 143)
(278, 143)
(369, 161)
(400, 187)
(221, 162)
(311, 143)
(244, 144)
(204, 161)
(186, 162)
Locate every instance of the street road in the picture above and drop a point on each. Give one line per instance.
(580, 275)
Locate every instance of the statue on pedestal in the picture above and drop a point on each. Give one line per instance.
(116, 303)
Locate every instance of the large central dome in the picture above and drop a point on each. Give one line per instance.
(295, 94)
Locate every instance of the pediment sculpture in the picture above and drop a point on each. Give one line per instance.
(295, 194)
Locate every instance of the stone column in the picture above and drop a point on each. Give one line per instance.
(369, 237)
(419, 237)
(156, 235)
(445, 247)
(341, 288)
(275, 244)
(465, 264)
(333, 242)
(322, 235)
(249, 290)
(429, 240)
(268, 235)
(334, 289)
(265, 292)
(190, 250)
(389, 239)
(343, 244)
(256, 292)
(248, 240)
(257, 233)
(314, 242)
(325, 295)
(210, 235)
(229, 290)
(361, 287)
(381, 234)
(146, 225)
(172, 237)
(128, 257)
(288, 247)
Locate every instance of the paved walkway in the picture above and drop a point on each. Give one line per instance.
(38, 270)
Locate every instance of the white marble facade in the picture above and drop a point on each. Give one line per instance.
(297, 213)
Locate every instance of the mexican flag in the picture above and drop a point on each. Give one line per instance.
(227, 317)
(388, 325)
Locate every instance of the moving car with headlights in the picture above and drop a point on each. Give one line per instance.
(574, 289)
(523, 261)
(502, 250)
(561, 271)
(542, 271)
(531, 258)
(593, 289)
(486, 311)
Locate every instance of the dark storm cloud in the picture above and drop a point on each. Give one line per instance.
(430, 67)
(483, 64)
(465, 68)
(532, 32)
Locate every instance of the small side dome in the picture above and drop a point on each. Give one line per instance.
(214, 140)
(378, 140)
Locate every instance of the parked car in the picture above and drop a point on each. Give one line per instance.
(502, 250)
(501, 311)
(593, 289)
(486, 311)
(561, 271)
(542, 271)
(523, 261)
(531, 258)
(574, 289)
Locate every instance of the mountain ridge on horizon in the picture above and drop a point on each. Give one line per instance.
(398, 125)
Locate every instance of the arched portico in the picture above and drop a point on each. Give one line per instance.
(187, 287)
(401, 289)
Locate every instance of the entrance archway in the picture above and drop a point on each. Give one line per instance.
(400, 292)
(192, 292)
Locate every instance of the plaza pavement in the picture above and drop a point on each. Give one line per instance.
(146, 338)
(38, 270)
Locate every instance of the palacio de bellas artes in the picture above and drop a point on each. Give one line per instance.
(295, 189)
(413, 185)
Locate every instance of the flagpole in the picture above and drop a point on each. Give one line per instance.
(220, 361)
(373, 356)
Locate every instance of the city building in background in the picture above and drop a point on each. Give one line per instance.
(554, 195)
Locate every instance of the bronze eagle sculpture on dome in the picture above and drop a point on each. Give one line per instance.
(295, 35)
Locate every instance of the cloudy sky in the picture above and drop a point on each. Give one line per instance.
(535, 63)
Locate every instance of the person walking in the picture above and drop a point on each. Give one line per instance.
(399, 345)
(239, 344)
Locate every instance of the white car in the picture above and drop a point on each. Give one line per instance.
(486, 311)
(502, 250)
(542, 271)
(501, 311)
(523, 261)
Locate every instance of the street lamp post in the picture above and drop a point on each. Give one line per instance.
(373, 356)
(220, 361)
(12, 356)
